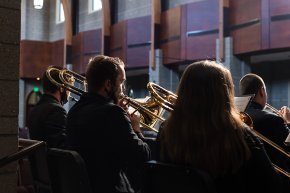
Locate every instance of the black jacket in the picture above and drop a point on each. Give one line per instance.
(273, 127)
(47, 122)
(102, 133)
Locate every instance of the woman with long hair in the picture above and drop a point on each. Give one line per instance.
(205, 131)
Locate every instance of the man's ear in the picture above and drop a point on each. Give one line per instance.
(107, 85)
(61, 89)
(261, 92)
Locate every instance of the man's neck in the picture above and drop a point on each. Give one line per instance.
(56, 95)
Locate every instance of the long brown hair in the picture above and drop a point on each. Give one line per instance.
(205, 129)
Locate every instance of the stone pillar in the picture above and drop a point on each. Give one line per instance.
(237, 67)
(9, 81)
(162, 75)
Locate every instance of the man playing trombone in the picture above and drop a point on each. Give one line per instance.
(47, 120)
(105, 135)
(274, 126)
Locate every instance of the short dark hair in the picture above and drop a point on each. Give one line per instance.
(48, 86)
(101, 68)
(250, 84)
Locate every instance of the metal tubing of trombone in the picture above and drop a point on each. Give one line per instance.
(277, 168)
(149, 127)
(272, 143)
(272, 108)
(139, 107)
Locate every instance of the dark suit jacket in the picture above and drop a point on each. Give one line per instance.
(102, 133)
(273, 127)
(47, 122)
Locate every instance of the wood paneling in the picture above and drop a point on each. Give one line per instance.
(279, 7)
(201, 30)
(77, 52)
(280, 33)
(138, 57)
(247, 39)
(245, 21)
(36, 56)
(92, 42)
(244, 10)
(57, 53)
(118, 43)
(279, 23)
(170, 35)
(138, 30)
(138, 42)
(201, 47)
(85, 45)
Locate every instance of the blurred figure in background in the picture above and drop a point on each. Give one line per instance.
(47, 120)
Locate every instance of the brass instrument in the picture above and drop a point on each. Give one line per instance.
(273, 109)
(68, 80)
(150, 110)
(164, 97)
(248, 121)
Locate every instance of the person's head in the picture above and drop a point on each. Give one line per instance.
(106, 75)
(50, 88)
(205, 127)
(252, 84)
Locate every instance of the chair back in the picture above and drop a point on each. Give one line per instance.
(68, 172)
(39, 170)
(162, 177)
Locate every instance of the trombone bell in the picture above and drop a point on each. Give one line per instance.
(150, 111)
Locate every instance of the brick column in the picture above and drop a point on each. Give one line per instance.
(9, 83)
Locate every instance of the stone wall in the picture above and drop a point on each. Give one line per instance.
(9, 79)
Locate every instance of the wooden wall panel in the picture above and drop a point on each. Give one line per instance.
(171, 52)
(77, 52)
(92, 46)
(279, 23)
(170, 35)
(35, 57)
(118, 43)
(138, 30)
(279, 7)
(245, 21)
(247, 39)
(138, 42)
(92, 42)
(138, 57)
(201, 47)
(57, 53)
(202, 23)
(85, 46)
(280, 34)
(243, 11)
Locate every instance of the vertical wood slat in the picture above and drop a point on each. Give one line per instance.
(68, 31)
(106, 32)
(155, 21)
(223, 4)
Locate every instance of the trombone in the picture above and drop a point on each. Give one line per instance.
(273, 109)
(150, 110)
(248, 121)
